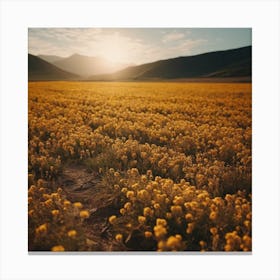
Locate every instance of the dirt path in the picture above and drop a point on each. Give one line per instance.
(82, 186)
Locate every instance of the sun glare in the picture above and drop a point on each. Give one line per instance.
(114, 49)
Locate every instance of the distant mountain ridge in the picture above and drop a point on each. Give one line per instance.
(87, 65)
(41, 70)
(227, 63)
(219, 64)
(50, 58)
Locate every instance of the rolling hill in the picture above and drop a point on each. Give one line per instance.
(228, 63)
(86, 65)
(39, 69)
(50, 58)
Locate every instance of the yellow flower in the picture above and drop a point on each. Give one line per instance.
(218, 201)
(233, 241)
(116, 187)
(201, 196)
(144, 155)
(149, 188)
(213, 230)
(124, 190)
(190, 228)
(48, 202)
(130, 194)
(41, 229)
(122, 211)
(144, 178)
(149, 173)
(161, 245)
(134, 172)
(247, 241)
(147, 211)
(155, 184)
(168, 215)
(66, 203)
(117, 174)
(55, 212)
(229, 236)
(143, 195)
(249, 216)
(55, 195)
(213, 215)
(30, 212)
(194, 204)
(84, 214)
(58, 248)
(161, 222)
(46, 196)
(202, 243)
(160, 231)
(173, 243)
(176, 210)
(245, 207)
(78, 205)
(128, 206)
(189, 217)
(112, 219)
(135, 186)
(129, 225)
(72, 233)
(178, 200)
(229, 198)
(247, 223)
(179, 237)
(157, 206)
(227, 248)
(148, 234)
(119, 237)
(187, 205)
(141, 220)
(238, 217)
(238, 201)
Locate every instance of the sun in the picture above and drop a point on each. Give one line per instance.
(114, 49)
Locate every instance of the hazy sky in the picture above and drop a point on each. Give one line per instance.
(135, 45)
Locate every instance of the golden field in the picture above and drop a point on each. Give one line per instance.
(171, 164)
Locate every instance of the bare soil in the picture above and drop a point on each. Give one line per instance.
(81, 186)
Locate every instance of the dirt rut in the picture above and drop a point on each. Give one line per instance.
(81, 186)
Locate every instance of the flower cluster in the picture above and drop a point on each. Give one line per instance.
(177, 157)
(179, 216)
(198, 132)
(54, 223)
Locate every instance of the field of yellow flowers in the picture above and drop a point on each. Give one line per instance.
(172, 162)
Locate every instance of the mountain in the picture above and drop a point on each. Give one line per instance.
(228, 63)
(86, 65)
(50, 58)
(39, 69)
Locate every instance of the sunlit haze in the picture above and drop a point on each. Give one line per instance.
(135, 45)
